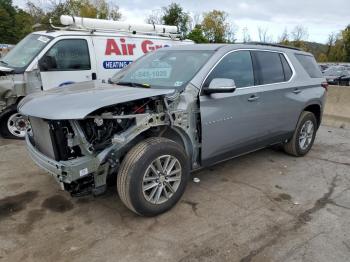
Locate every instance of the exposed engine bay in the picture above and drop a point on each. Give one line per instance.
(103, 124)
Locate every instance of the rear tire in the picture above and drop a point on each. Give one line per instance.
(13, 125)
(303, 137)
(153, 176)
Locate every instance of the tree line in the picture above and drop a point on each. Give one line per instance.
(16, 23)
(209, 27)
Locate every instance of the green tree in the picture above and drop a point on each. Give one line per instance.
(174, 15)
(322, 58)
(86, 9)
(337, 52)
(346, 42)
(216, 28)
(15, 23)
(197, 35)
(7, 22)
(23, 23)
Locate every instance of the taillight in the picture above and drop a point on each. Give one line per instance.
(325, 85)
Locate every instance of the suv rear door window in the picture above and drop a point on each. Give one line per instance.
(268, 67)
(237, 66)
(310, 65)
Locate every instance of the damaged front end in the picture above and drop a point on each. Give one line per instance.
(16, 85)
(83, 155)
(7, 94)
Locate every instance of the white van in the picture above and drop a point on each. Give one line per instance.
(87, 49)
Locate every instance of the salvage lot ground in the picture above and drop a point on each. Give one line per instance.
(265, 206)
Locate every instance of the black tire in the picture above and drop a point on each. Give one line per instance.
(4, 131)
(293, 146)
(133, 168)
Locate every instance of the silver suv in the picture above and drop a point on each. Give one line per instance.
(173, 111)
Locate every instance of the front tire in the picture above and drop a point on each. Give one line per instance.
(13, 125)
(153, 176)
(304, 135)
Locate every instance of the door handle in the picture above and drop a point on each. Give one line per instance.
(296, 91)
(253, 98)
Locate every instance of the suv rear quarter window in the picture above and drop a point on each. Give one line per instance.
(286, 68)
(308, 62)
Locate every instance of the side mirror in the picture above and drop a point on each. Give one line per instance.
(47, 63)
(220, 85)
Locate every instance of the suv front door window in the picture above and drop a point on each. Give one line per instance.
(237, 66)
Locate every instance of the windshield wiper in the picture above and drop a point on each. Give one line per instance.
(3, 62)
(133, 84)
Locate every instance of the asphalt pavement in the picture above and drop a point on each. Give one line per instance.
(265, 206)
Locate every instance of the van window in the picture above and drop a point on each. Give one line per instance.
(286, 68)
(268, 67)
(68, 55)
(25, 51)
(309, 64)
(237, 66)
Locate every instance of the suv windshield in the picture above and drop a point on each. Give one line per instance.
(25, 51)
(163, 69)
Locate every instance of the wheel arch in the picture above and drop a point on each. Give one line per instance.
(19, 99)
(316, 109)
(173, 133)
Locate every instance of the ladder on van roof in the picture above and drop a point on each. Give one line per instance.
(75, 23)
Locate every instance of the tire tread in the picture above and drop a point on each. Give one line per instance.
(291, 147)
(123, 178)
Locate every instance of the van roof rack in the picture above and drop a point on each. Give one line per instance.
(78, 24)
(274, 45)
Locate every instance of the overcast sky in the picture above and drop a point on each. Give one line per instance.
(320, 17)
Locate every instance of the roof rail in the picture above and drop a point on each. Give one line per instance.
(274, 45)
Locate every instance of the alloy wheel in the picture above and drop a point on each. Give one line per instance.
(161, 179)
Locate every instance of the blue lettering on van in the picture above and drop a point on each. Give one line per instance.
(115, 64)
(66, 83)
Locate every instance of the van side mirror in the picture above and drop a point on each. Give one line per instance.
(47, 63)
(220, 85)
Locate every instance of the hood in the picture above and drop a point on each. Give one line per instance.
(76, 101)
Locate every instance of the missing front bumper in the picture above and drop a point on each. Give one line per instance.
(79, 176)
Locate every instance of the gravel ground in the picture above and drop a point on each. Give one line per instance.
(265, 206)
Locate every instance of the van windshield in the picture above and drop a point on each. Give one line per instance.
(163, 69)
(25, 51)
